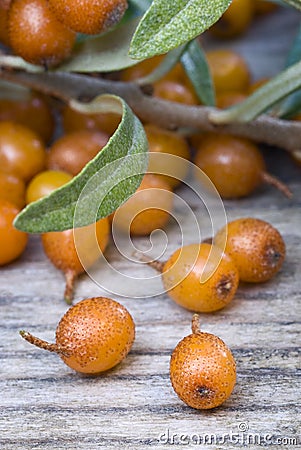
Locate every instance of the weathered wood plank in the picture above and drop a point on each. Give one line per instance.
(44, 405)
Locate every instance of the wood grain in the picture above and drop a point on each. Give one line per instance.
(44, 405)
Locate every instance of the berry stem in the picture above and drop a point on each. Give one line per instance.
(39, 342)
(273, 181)
(195, 324)
(70, 277)
(157, 265)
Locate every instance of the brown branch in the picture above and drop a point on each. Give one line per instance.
(66, 86)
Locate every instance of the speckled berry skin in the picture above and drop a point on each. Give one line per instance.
(202, 371)
(255, 246)
(185, 274)
(37, 35)
(95, 334)
(89, 16)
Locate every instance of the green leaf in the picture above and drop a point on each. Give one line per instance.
(16, 62)
(263, 98)
(168, 24)
(295, 3)
(105, 53)
(292, 104)
(195, 64)
(104, 184)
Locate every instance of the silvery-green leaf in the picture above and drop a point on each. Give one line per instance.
(105, 182)
(168, 24)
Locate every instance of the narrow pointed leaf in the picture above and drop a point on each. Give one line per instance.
(106, 182)
(295, 3)
(196, 66)
(168, 24)
(263, 98)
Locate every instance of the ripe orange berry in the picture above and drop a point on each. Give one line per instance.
(89, 16)
(36, 34)
(44, 183)
(5, 4)
(234, 165)
(235, 21)
(174, 91)
(93, 336)
(147, 210)
(31, 110)
(264, 7)
(74, 150)
(4, 39)
(228, 98)
(167, 142)
(229, 70)
(22, 152)
(102, 122)
(256, 247)
(12, 189)
(200, 277)
(74, 251)
(202, 369)
(12, 241)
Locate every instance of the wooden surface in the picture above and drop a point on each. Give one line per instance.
(45, 405)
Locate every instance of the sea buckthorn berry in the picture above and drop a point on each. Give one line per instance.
(174, 91)
(102, 122)
(256, 247)
(226, 99)
(147, 210)
(44, 183)
(234, 165)
(257, 84)
(12, 189)
(235, 20)
(89, 16)
(30, 110)
(74, 150)
(229, 70)
(200, 277)
(22, 152)
(74, 251)
(36, 35)
(4, 39)
(5, 4)
(167, 142)
(93, 336)
(12, 241)
(202, 369)
(264, 7)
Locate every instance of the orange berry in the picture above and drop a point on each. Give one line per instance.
(12, 241)
(174, 91)
(22, 152)
(229, 70)
(44, 183)
(12, 189)
(5, 4)
(142, 69)
(147, 210)
(235, 21)
(74, 251)
(4, 38)
(30, 110)
(264, 7)
(226, 99)
(257, 84)
(93, 336)
(164, 142)
(200, 277)
(255, 246)
(89, 16)
(202, 369)
(36, 35)
(234, 165)
(74, 150)
(102, 122)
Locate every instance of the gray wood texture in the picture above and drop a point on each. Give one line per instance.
(45, 405)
